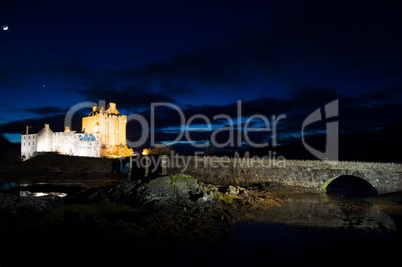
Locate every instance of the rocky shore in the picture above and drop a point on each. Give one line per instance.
(144, 220)
(136, 219)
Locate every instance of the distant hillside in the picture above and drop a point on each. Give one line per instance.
(9, 152)
(384, 145)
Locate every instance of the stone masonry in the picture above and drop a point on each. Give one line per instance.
(384, 177)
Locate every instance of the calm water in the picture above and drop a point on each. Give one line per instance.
(55, 187)
(6, 184)
(322, 210)
(307, 230)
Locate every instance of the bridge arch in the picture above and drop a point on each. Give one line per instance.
(349, 185)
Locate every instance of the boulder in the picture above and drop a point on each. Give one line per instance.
(167, 193)
(234, 190)
(179, 194)
(12, 204)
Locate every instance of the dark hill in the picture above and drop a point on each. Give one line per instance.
(9, 152)
(55, 166)
(56, 163)
(383, 145)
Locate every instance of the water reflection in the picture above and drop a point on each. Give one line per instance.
(7, 186)
(41, 194)
(322, 210)
(55, 187)
(307, 230)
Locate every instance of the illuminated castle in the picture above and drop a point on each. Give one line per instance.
(110, 125)
(103, 135)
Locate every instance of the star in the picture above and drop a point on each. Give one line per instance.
(5, 28)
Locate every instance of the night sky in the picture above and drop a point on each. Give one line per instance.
(277, 57)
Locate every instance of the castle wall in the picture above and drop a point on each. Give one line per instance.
(88, 124)
(29, 144)
(104, 134)
(63, 142)
(45, 140)
(87, 149)
(112, 128)
(77, 144)
(66, 143)
(122, 129)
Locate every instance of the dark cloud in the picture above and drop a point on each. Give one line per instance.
(383, 95)
(312, 42)
(294, 44)
(294, 57)
(46, 110)
(56, 123)
(130, 97)
(370, 114)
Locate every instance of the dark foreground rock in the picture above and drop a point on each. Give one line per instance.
(17, 212)
(175, 194)
(142, 221)
(13, 204)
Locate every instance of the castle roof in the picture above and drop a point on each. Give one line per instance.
(95, 110)
(111, 110)
(35, 130)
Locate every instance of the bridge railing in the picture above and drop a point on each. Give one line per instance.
(356, 165)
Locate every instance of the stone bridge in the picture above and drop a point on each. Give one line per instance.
(311, 174)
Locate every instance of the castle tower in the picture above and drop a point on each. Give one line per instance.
(111, 126)
(96, 127)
